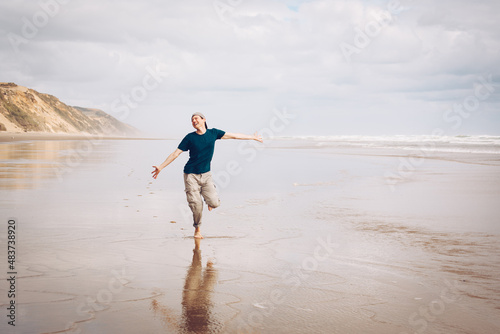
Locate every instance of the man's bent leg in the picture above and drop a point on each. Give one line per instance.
(208, 191)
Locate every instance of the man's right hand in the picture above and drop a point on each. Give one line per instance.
(155, 172)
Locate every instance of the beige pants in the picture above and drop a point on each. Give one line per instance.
(196, 186)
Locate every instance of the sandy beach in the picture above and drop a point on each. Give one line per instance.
(312, 236)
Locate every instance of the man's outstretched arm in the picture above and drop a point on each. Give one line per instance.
(167, 162)
(255, 136)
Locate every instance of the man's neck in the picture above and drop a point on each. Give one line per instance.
(201, 131)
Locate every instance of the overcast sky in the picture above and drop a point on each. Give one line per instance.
(340, 67)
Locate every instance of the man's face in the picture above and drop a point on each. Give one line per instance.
(198, 122)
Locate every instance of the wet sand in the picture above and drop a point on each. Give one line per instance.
(43, 136)
(308, 239)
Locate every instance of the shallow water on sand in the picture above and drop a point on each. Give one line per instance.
(308, 238)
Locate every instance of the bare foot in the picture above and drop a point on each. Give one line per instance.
(210, 208)
(197, 233)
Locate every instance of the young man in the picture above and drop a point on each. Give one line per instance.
(197, 176)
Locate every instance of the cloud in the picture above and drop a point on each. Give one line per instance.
(231, 58)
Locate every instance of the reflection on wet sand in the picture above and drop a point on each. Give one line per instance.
(197, 313)
(23, 165)
(197, 307)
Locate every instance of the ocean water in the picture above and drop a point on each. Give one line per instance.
(422, 143)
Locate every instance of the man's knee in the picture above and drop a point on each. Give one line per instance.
(214, 204)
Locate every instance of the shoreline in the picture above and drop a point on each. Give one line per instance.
(26, 136)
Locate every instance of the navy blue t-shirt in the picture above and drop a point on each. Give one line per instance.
(201, 150)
